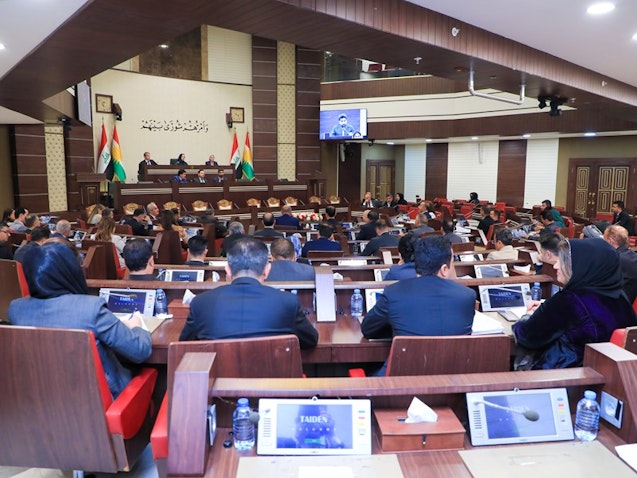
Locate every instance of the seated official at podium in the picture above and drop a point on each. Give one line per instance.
(588, 309)
(246, 307)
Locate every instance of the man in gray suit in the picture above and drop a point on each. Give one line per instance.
(284, 266)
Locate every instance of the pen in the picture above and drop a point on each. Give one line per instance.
(132, 314)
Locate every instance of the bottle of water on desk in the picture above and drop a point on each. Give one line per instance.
(242, 426)
(587, 417)
(161, 303)
(356, 304)
(536, 291)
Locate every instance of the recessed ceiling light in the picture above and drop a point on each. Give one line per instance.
(590, 133)
(527, 135)
(390, 143)
(163, 45)
(2, 47)
(429, 140)
(474, 137)
(600, 8)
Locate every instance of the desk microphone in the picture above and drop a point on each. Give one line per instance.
(530, 415)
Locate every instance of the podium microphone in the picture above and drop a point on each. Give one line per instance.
(530, 415)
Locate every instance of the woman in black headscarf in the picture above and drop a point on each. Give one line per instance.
(59, 299)
(588, 309)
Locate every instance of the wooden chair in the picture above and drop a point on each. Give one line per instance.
(199, 206)
(335, 199)
(442, 355)
(315, 200)
(291, 201)
(273, 202)
(113, 270)
(463, 247)
(62, 414)
(253, 202)
(224, 205)
(316, 256)
(129, 209)
(172, 205)
(167, 248)
(262, 357)
(14, 285)
(126, 229)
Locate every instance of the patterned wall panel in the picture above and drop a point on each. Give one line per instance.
(286, 115)
(80, 158)
(56, 167)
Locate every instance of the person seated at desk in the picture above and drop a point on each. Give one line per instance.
(429, 304)
(406, 267)
(325, 241)
(211, 161)
(588, 309)
(421, 224)
(20, 218)
(153, 211)
(368, 228)
(489, 217)
(548, 225)
(139, 259)
(284, 266)
(389, 201)
(220, 177)
(268, 227)
(139, 223)
(368, 201)
(32, 221)
(400, 200)
(180, 161)
(617, 236)
(8, 215)
(106, 232)
(503, 246)
(5, 234)
(383, 239)
(180, 177)
(330, 214)
(235, 232)
(96, 214)
(62, 230)
(201, 177)
(246, 307)
(59, 299)
(287, 219)
(448, 226)
(622, 218)
(39, 236)
(169, 222)
(197, 251)
(427, 207)
(557, 216)
(473, 198)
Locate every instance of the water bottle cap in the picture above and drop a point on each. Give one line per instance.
(536, 284)
(591, 395)
(243, 402)
(357, 291)
(160, 291)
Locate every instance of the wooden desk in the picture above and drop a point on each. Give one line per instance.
(606, 368)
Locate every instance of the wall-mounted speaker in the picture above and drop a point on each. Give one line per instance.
(117, 111)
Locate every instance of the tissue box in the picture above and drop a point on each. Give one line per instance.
(447, 433)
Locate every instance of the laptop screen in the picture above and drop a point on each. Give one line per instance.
(491, 270)
(522, 416)
(314, 427)
(127, 301)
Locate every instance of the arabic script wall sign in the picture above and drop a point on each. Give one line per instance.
(175, 126)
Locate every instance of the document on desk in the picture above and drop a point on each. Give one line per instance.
(483, 324)
(369, 466)
(575, 458)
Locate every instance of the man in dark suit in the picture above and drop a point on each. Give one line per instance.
(330, 213)
(287, 219)
(369, 201)
(138, 256)
(383, 239)
(139, 222)
(284, 265)
(325, 242)
(147, 161)
(220, 176)
(487, 219)
(622, 218)
(428, 304)
(197, 251)
(268, 227)
(5, 245)
(235, 232)
(247, 308)
(617, 236)
(368, 229)
(201, 177)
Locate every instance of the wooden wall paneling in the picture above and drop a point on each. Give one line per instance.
(349, 173)
(436, 170)
(78, 149)
(511, 172)
(264, 104)
(28, 160)
(308, 96)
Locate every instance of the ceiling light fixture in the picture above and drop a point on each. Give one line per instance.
(600, 8)
(590, 134)
(163, 45)
(527, 135)
(390, 143)
(429, 140)
(635, 37)
(2, 47)
(474, 138)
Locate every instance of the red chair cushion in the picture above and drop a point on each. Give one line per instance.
(357, 373)
(126, 415)
(619, 337)
(159, 435)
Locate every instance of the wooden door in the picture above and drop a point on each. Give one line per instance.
(594, 184)
(380, 178)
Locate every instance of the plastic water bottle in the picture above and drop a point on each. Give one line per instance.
(356, 303)
(536, 291)
(161, 303)
(587, 417)
(242, 426)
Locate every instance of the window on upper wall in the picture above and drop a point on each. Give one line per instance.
(341, 68)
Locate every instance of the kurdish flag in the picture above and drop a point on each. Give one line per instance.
(246, 164)
(235, 157)
(104, 156)
(115, 170)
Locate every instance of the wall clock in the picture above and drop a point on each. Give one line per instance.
(237, 114)
(103, 103)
